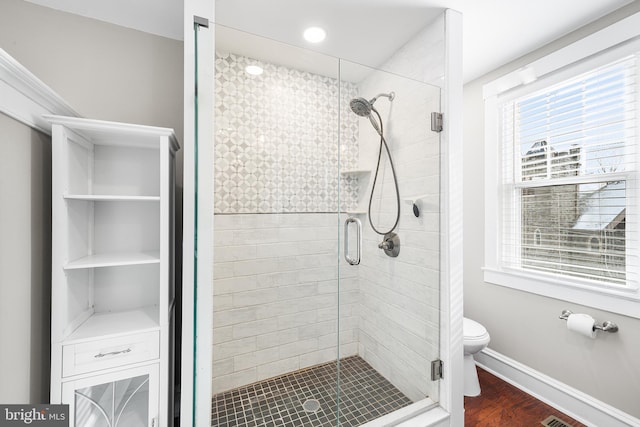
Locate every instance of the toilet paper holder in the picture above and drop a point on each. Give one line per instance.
(606, 326)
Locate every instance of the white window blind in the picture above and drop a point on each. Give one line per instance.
(569, 176)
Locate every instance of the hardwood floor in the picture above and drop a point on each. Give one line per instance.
(501, 404)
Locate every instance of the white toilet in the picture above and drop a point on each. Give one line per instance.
(475, 339)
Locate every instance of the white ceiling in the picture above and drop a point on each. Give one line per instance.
(368, 31)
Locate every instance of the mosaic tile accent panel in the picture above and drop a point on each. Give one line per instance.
(276, 144)
(280, 401)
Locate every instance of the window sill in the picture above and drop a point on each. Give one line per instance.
(615, 300)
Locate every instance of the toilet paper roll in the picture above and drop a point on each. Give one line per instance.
(582, 324)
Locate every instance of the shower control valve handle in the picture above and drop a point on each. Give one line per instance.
(390, 244)
(387, 245)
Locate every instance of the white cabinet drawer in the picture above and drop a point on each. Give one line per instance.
(92, 356)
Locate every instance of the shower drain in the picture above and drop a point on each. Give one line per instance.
(311, 405)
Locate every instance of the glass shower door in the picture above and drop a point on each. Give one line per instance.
(313, 323)
(389, 299)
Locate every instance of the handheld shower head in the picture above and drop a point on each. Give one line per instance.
(363, 108)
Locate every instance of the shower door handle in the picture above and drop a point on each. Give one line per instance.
(347, 256)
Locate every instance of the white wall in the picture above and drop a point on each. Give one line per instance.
(25, 262)
(276, 296)
(523, 326)
(399, 306)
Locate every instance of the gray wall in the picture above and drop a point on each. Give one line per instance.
(524, 326)
(25, 262)
(104, 72)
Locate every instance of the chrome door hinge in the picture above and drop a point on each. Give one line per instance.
(200, 21)
(436, 122)
(436, 370)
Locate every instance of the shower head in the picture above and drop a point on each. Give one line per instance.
(363, 108)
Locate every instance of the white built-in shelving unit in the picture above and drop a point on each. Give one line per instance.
(113, 271)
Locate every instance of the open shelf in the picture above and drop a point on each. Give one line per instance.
(355, 212)
(124, 228)
(102, 325)
(111, 170)
(356, 172)
(114, 260)
(413, 199)
(111, 198)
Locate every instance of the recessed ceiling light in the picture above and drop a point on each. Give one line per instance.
(314, 34)
(254, 70)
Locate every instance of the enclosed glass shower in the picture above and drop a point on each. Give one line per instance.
(326, 237)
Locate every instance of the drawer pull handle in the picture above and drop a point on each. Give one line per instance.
(113, 353)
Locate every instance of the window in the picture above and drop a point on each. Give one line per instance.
(537, 237)
(568, 152)
(594, 244)
(561, 138)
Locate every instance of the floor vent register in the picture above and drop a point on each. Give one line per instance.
(553, 421)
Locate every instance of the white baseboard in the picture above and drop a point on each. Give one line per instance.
(578, 405)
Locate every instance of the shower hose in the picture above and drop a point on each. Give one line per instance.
(383, 141)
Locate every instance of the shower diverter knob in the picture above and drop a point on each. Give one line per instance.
(390, 244)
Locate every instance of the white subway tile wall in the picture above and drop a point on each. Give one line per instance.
(399, 303)
(276, 301)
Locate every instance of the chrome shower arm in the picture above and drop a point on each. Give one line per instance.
(389, 95)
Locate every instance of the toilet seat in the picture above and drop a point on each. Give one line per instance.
(472, 340)
(472, 330)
